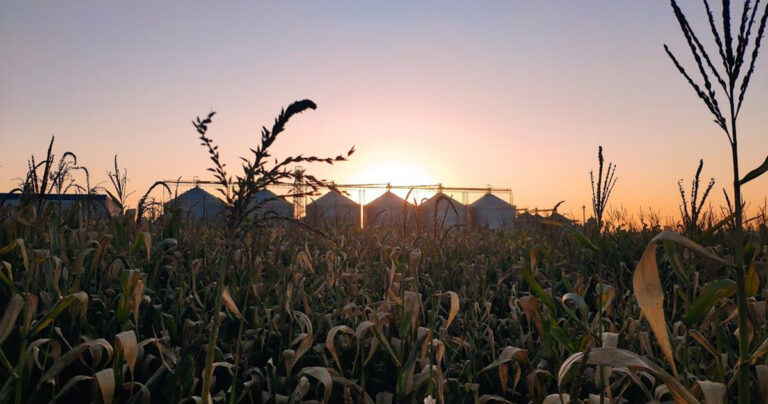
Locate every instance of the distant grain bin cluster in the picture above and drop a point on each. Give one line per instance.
(336, 209)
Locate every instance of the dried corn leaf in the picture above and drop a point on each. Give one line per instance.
(329, 342)
(712, 392)
(10, 315)
(64, 361)
(230, 303)
(455, 305)
(323, 376)
(126, 341)
(106, 381)
(649, 292)
(617, 358)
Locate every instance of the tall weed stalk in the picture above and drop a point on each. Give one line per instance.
(239, 194)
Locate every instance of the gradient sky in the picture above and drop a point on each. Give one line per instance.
(511, 93)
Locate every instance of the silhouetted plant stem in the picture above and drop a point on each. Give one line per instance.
(602, 190)
(240, 198)
(691, 218)
(741, 294)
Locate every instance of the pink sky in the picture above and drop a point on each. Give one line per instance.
(515, 94)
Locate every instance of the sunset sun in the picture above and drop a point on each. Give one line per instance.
(395, 172)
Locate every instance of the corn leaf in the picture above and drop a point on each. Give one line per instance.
(106, 380)
(650, 293)
(322, 375)
(10, 315)
(230, 303)
(62, 304)
(755, 173)
(126, 340)
(708, 297)
(618, 358)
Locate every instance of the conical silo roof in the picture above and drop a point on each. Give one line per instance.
(490, 200)
(438, 207)
(333, 198)
(196, 194)
(492, 212)
(386, 209)
(442, 199)
(271, 203)
(334, 208)
(198, 203)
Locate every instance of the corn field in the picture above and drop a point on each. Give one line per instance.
(116, 310)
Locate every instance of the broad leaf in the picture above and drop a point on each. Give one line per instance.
(755, 173)
(711, 294)
(650, 293)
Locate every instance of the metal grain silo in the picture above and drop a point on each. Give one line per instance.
(444, 211)
(197, 204)
(492, 212)
(270, 205)
(333, 208)
(387, 210)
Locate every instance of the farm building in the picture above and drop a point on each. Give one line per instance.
(98, 204)
(388, 209)
(492, 212)
(443, 210)
(272, 205)
(197, 204)
(333, 208)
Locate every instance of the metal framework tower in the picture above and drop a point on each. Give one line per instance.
(299, 194)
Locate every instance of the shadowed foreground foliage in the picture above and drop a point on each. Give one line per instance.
(120, 311)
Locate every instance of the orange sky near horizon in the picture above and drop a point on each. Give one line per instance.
(512, 94)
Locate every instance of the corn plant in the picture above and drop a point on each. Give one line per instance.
(602, 190)
(691, 218)
(738, 65)
(46, 177)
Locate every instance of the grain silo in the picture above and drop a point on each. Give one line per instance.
(492, 212)
(197, 204)
(444, 211)
(387, 210)
(333, 208)
(271, 205)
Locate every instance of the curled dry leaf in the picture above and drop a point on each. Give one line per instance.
(412, 307)
(323, 376)
(71, 383)
(230, 303)
(509, 354)
(10, 315)
(305, 263)
(650, 293)
(329, 342)
(126, 341)
(106, 380)
(557, 399)
(455, 305)
(712, 392)
(65, 360)
(620, 358)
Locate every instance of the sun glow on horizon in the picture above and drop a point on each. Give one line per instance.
(395, 173)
